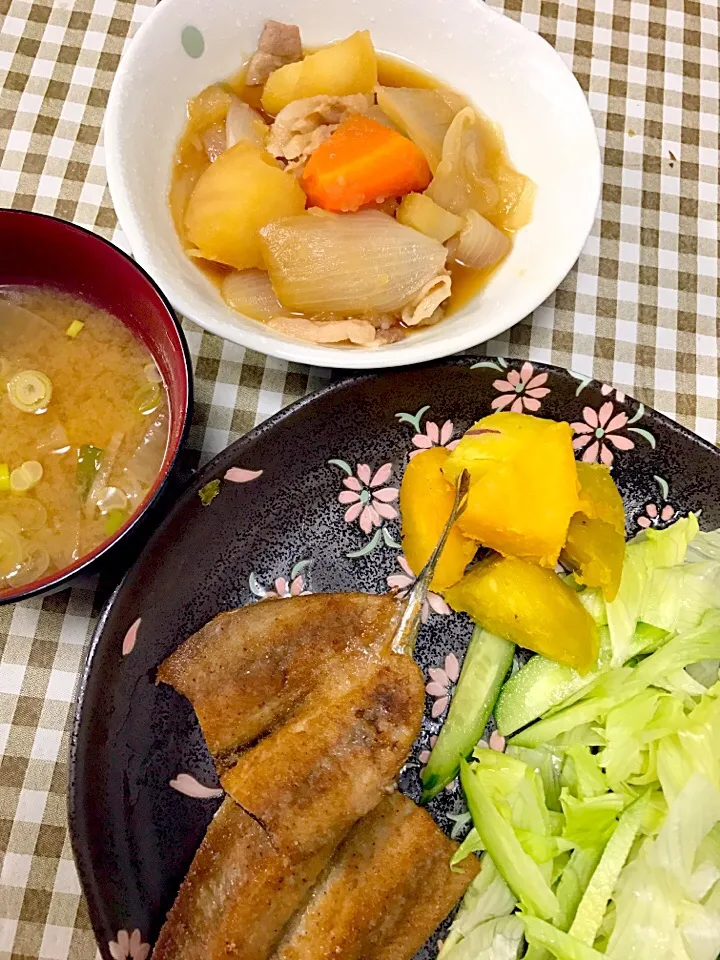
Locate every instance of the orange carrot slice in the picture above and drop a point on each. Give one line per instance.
(362, 162)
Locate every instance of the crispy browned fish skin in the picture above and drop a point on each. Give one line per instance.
(386, 890)
(238, 895)
(329, 765)
(247, 670)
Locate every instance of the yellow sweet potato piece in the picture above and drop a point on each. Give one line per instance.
(348, 66)
(595, 547)
(532, 607)
(599, 497)
(524, 487)
(595, 551)
(426, 499)
(237, 195)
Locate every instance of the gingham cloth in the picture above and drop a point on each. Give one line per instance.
(639, 310)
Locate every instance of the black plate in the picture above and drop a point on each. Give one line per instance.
(311, 507)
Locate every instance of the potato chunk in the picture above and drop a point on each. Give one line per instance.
(524, 486)
(244, 190)
(348, 66)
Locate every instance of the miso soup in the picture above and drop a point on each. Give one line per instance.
(83, 430)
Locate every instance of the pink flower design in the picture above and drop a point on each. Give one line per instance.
(497, 741)
(654, 515)
(598, 430)
(521, 391)
(241, 475)
(130, 638)
(607, 391)
(424, 755)
(284, 588)
(367, 500)
(129, 945)
(434, 436)
(401, 583)
(187, 784)
(441, 680)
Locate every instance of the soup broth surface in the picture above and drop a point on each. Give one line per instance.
(79, 460)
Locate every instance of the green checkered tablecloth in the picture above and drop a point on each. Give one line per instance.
(639, 310)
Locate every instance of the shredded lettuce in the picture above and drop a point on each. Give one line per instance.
(487, 898)
(603, 818)
(518, 869)
(498, 939)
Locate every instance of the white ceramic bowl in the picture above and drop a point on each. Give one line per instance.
(513, 76)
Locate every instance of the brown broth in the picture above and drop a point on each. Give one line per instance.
(99, 379)
(191, 161)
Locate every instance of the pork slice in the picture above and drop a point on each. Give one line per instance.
(278, 45)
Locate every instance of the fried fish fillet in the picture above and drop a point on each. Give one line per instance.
(247, 671)
(312, 778)
(385, 891)
(238, 895)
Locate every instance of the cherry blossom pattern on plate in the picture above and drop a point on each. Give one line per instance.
(521, 390)
(442, 681)
(233, 475)
(191, 787)
(605, 388)
(129, 946)
(424, 755)
(431, 435)
(369, 503)
(282, 587)
(130, 638)
(401, 583)
(603, 431)
(659, 512)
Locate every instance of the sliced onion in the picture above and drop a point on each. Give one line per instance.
(250, 292)
(461, 182)
(244, 123)
(29, 513)
(360, 332)
(348, 264)
(144, 464)
(11, 552)
(33, 566)
(111, 498)
(422, 115)
(480, 243)
(102, 476)
(426, 302)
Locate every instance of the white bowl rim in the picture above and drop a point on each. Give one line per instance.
(405, 352)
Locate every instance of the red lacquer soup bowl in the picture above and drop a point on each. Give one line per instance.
(44, 251)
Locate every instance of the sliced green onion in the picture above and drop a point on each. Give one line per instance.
(113, 521)
(30, 391)
(152, 374)
(147, 398)
(4, 477)
(88, 464)
(26, 476)
(74, 329)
